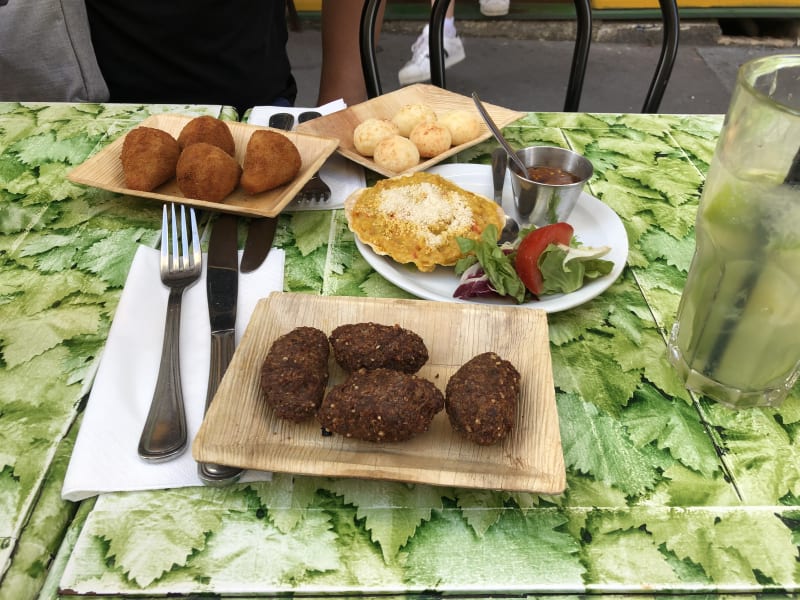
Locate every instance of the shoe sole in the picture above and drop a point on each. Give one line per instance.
(447, 64)
(498, 13)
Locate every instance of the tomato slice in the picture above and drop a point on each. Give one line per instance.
(531, 248)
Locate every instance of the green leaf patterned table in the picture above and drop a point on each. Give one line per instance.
(666, 492)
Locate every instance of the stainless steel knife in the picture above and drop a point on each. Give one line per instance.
(262, 230)
(499, 164)
(222, 285)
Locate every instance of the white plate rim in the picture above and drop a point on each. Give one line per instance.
(595, 223)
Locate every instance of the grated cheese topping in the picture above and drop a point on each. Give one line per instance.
(435, 214)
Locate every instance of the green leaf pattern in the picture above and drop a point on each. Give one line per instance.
(665, 490)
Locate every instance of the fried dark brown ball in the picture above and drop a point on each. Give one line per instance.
(374, 346)
(206, 172)
(481, 398)
(381, 405)
(209, 130)
(149, 157)
(271, 159)
(295, 373)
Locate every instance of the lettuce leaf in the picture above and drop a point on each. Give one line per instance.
(564, 268)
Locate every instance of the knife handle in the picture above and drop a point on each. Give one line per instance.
(283, 121)
(499, 164)
(308, 115)
(222, 348)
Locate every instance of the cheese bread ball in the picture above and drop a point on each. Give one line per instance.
(463, 125)
(431, 139)
(411, 115)
(396, 153)
(371, 131)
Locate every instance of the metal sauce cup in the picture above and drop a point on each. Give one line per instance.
(541, 203)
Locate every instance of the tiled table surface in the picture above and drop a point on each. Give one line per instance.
(666, 492)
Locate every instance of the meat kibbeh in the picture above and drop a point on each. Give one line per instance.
(209, 130)
(271, 159)
(206, 172)
(295, 372)
(380, 405)
(149, 157)
(481, 398)
(373, 346)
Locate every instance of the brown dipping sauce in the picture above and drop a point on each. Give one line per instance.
(551, 176)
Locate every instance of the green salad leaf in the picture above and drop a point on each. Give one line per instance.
(564, 268)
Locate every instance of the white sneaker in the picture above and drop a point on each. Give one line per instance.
(419, 67)
(494, 8)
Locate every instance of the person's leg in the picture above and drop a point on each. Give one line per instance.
(341, 75)
(419, 67)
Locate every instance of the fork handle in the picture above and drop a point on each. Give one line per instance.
(164, 433)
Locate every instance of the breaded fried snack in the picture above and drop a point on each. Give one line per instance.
(271, 160)
(481, 398)
(209, 130)
(431, 139)
(369, 132)
(464, 126)
(149, 157)
(380, 405)
(295, 372)
(206, 172)
(396, 153)
(417, 218)
(411, 115)
(374, 346)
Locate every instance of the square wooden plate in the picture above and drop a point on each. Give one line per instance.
(104, 170)
(241, 430)
(341, 124)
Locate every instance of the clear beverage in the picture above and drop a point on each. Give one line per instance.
(737, 335)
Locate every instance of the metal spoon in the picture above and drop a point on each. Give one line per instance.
(499, 136)
(499, 162)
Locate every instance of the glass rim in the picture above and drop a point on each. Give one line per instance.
(753, 69)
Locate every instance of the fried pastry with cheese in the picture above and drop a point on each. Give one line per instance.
(416, 218)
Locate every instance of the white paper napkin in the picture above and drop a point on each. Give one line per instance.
(342, 176)
(105, 456)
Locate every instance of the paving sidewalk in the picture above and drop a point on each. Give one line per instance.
(522, 71)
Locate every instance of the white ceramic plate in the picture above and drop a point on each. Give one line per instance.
(594, 222)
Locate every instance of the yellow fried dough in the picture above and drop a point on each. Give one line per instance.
(148, 158)
(271, 160)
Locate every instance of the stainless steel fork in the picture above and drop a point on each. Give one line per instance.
(164, 434)
(315, 189)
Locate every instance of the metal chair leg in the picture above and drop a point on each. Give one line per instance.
(669, 49)
(580, 55)
(436, 41)
(366, 42)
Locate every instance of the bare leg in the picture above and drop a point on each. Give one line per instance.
(341, 75)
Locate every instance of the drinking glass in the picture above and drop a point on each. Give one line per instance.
(737, 335)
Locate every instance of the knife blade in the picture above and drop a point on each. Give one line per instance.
(262, 230)
(222, 288)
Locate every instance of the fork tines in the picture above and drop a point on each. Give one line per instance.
(184, 259)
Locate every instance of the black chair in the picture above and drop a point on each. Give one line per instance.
(580, 54)
(583, 11)
(669, 50)
(366, 42)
